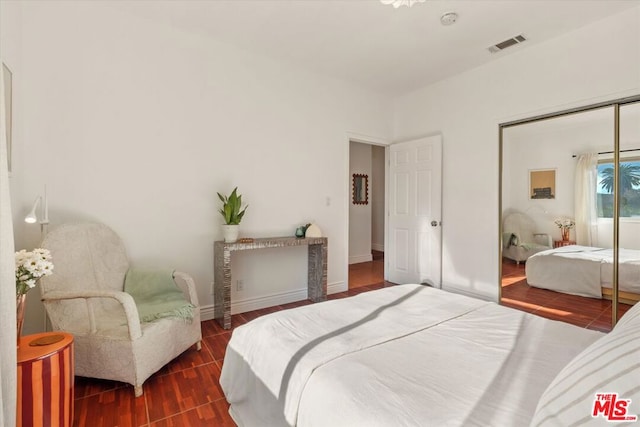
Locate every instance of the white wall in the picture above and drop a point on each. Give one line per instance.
(138, 125)
(597, 62)
(360, 215)
(377, 197)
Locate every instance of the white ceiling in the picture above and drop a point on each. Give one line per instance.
(385, 49)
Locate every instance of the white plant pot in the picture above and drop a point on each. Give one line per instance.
(230, 232)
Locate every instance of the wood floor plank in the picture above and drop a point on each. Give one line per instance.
(188, 359)
(210, 414)
(118, 407)
(84, 387)
(217, 344)
(211, 327)
(182, 391)
(366, 273)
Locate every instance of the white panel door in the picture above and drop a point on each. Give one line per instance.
(415, 212)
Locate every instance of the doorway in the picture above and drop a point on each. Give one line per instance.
(414, 243)
(411, 210)
(367, 169)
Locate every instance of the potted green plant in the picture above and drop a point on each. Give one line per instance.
(232, 212)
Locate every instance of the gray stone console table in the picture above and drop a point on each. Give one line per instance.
(317, 275)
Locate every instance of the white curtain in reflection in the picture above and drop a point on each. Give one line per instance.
(7, 284)
(586, 209)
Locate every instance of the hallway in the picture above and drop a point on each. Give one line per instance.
(367, 273)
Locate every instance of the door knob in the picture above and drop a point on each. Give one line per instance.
(434, 223)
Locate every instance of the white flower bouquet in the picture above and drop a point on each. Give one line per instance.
(30, 267)
(565, 223)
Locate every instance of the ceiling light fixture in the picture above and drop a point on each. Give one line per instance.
(397, 3)
(449, 18)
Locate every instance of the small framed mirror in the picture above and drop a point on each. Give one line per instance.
(360, 189)
(542, 184)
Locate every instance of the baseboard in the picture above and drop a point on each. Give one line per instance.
(360, 258)
(250, 304)
(206, 312)
(334, 288)
(377, 247)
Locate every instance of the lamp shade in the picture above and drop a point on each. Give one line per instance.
(31, 217)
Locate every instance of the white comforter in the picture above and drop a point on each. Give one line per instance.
(583, 270)
(405, 355)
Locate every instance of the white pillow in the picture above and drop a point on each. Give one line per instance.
(610, 368)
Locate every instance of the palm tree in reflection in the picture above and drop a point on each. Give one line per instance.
(629, 177)
(629, 193)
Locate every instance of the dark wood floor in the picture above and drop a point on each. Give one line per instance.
(585, 312)
(186, 392)
(366, 273)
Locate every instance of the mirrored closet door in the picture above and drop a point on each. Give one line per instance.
(562, 223)
(629, 207)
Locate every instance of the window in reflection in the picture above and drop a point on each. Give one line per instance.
(629, 188)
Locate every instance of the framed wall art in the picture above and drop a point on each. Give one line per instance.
(542, 184)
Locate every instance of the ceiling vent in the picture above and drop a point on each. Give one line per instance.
(507, 43)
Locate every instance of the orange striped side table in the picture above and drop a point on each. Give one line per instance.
(45, 380)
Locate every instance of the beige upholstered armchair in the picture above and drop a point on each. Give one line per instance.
(85, 297)
(519, 241)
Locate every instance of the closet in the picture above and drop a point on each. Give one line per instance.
(576, 171)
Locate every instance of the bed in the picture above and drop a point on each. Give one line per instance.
(584, 270)
(411, 355)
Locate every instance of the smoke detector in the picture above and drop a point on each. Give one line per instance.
(507, 43)
(449, 18)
